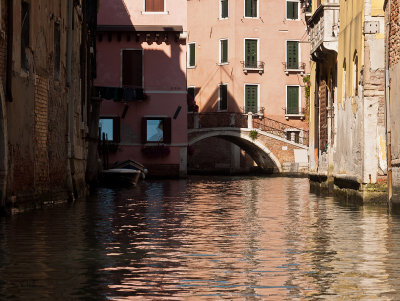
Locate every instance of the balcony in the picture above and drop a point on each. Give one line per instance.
(294, 67)
(324, 29)
(294, 112)
(251, 66)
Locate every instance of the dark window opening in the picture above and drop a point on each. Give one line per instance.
(292, 10)
(223, 97)
(224, 9)
(154, 6)
(25, 11)
(109, 129)
(57, 51)
(132, 68)
(250, 8)
(224, 51)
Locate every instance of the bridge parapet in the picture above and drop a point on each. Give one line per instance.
(247, 120)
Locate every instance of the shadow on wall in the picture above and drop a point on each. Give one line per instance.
(113, 12)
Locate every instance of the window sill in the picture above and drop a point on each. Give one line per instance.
(287, 71)
(222, 64)
(292, 19)
(289, 116)
(191, 67)
(251, 17)
(155, 12)
(221, 19)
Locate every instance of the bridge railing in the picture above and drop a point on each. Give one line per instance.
(242, 120)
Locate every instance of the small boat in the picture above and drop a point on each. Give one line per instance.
(123, 174)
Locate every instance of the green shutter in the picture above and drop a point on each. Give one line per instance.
(251, 53)
(223, 97)
(247, 12)
(292, 100)
(192, 55)
(251, 97)
(224, 8)
(224, 51)
(290, 8)
(292, 55)
(295, 10)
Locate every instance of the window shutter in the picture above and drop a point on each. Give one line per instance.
(132, 68)
(154, 5)
(144, 130)
(251, 53)
(224, 9)
(292, 100)
(290, 13)
(167, 130)
(192, 54)
(224, 51)
(251, 98)
(116, 130)
(247, 8)
(295, 10)
(292, 55)
(223, 97)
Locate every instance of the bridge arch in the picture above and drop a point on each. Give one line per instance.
(261, 154)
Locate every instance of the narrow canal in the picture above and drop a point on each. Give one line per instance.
(205, 238)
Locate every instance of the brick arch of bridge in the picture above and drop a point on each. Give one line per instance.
(261, 154)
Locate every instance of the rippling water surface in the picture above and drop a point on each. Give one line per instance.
(202, 239)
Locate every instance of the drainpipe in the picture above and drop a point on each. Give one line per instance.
(387, 108)
(70, 127)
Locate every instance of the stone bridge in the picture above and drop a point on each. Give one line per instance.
(276, 147)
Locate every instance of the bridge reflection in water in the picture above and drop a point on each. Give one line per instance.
(233, 238)
(273, 145)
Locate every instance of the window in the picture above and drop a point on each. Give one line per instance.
(223, 55)
(292, 100)
(355, 75)
(132, 68)
(57, 52)
(223, 9)
(251, 53)
(109, 128)
(156, 130)
(251, 98)
(292, 10)
(192, 55)
(154, 6)
(223, 97)
(191, 99)
(250, 8)
(293, 135)
(292, 55)
(344, 81)
(25, 8)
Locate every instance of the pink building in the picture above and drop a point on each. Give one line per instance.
(247, 56)
(141, 79)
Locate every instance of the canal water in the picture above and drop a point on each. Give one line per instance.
(204, 238)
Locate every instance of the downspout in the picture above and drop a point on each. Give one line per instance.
(70, 127)
(387, 105)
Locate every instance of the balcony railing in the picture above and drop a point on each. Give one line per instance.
(294, 67)
(253, 66)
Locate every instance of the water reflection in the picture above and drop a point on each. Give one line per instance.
(202, 238)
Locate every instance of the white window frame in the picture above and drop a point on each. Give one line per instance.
(258, 10)
(144, 12)
(299, 104)
(220, 52)
(299, 55)
(219, 97)
(258, 95)
(258, 48)
(188, 56)
(298, 10)
(122, 61)
(220, 11)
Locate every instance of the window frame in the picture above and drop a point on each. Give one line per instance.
(144, 12)
(167, 130)
(189, 54)
(122, 65)
(258, 96)
(244, 52)
(298, 55)
(220, 62)
(116, 128)
(257, 10)
(219, 97)
(220, 10)
(298, 101)
(298, 10)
